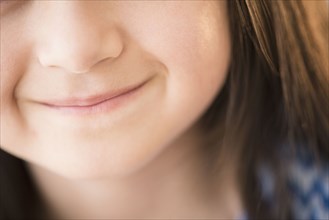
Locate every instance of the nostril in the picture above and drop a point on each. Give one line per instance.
(70, 65)
(44, 62)
(106, 59)
(80, 69)
(72, 69)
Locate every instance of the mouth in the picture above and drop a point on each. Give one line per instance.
(95, 103)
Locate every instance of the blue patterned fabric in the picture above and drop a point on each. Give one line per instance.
(308, 182)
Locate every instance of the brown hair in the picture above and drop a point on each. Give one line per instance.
(276, 95)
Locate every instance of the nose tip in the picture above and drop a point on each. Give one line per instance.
(79, 43)
(81, 55)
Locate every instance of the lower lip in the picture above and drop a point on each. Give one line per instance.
(102, 107)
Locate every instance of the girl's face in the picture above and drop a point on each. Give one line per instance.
(63, 61)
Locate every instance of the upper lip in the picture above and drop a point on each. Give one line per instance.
(92, 99)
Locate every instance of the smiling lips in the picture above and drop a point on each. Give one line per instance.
(93, 104)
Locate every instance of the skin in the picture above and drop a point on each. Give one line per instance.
(104, 164)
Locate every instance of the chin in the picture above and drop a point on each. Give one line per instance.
(98, 162)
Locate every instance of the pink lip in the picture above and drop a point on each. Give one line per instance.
(94, 103)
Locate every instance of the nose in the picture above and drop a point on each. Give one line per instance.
(75, 39)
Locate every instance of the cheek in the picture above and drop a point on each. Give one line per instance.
(194, 45)
(10, 68)
(14, 61)
(15, 50)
